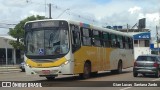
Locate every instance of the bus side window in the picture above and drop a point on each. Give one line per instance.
(106, 39)
(113, 40)
(96, 38)
(127, 42)
(75, 37)
(86, 36)
(118, 41)
(123, 40)
(130, 43)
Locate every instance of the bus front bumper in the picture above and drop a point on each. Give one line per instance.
(42, 71)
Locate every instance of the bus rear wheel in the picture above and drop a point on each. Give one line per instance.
(86, 72)
(119, 69)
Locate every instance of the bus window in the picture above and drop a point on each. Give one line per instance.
(86, 36)
(119, 42)
(86, 41)
(127, 42)
(113, 40)
(96, 38)
(75, 37)
(85, 32)
(106, 39)
(123, 39)
(130, 43)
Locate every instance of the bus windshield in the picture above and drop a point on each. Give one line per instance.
(47, 41)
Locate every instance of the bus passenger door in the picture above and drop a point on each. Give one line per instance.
(76, 44)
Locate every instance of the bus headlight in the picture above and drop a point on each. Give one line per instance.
(66, 62)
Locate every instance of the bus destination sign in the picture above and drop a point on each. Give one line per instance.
(45, 24)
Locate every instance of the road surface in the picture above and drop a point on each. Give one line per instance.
(66, 80)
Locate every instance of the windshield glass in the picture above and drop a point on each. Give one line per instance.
(51, 41)
(146, 58)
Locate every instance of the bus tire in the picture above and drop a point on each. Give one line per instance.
(119, 68)
(50, 78)
(87, 71)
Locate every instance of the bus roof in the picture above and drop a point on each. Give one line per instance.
(88, 26)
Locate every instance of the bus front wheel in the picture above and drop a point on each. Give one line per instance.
(87, 71)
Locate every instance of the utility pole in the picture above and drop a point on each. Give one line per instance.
(157, 39)
(50, 11)
(127, 28)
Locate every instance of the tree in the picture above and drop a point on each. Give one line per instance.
(18, 32)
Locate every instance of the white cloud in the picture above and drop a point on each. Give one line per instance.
(141, 15)
(114, 12)
(135, 9)
(153, 17)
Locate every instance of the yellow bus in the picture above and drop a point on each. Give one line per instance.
(54, 47)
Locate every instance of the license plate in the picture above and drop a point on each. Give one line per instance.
(46, 72)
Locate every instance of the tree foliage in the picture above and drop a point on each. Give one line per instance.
(18, 32)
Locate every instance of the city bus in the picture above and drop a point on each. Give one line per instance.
(67, 47)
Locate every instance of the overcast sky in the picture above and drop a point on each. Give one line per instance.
(97, 12)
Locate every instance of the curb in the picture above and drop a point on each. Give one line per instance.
(8, 67)
(6, 72)
(1, 70)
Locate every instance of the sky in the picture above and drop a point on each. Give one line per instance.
(95, 12)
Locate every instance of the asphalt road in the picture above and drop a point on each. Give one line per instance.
(61, 82)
